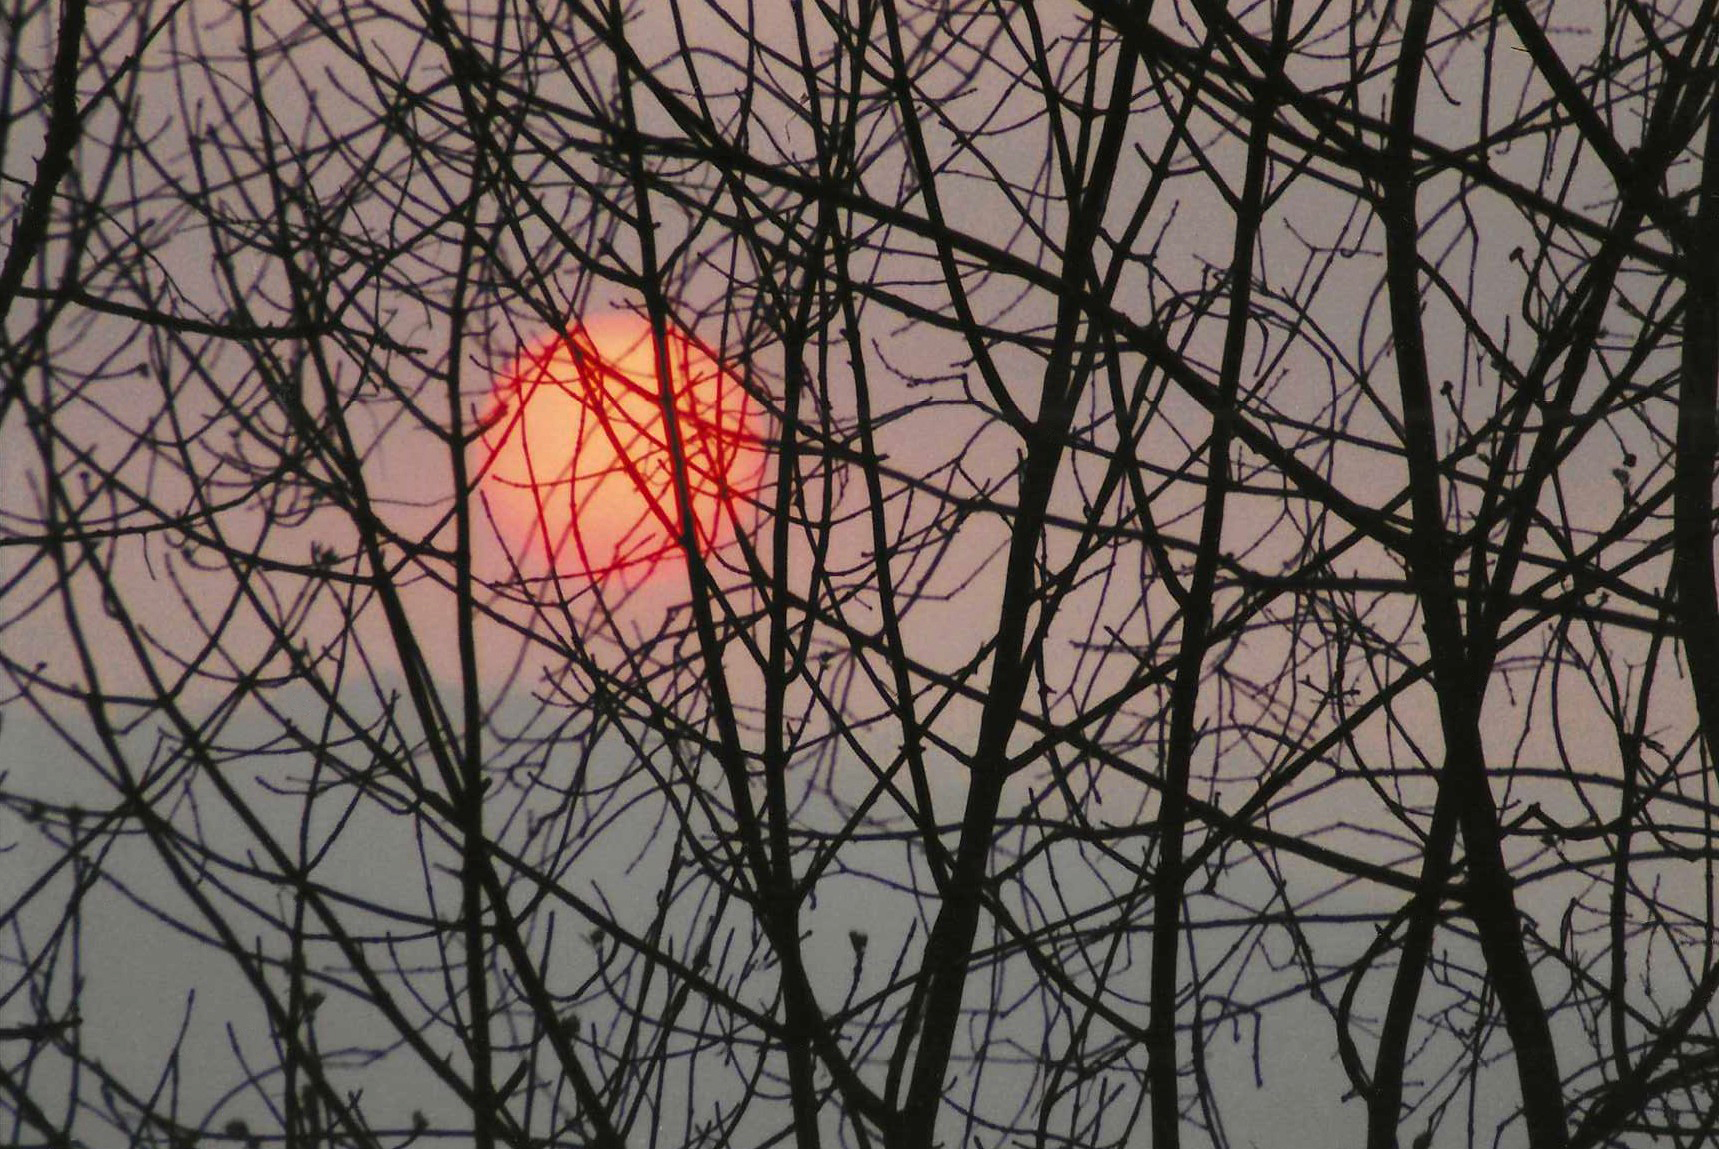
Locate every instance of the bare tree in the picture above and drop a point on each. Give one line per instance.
(1166, 593)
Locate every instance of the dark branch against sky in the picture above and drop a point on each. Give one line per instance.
(1202, 630)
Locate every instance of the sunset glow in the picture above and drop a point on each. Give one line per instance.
(581, 467)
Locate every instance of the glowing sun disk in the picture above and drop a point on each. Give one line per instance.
(583, 465)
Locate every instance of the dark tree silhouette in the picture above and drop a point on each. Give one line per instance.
(1222, 651)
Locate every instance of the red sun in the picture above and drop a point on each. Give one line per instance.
(582, 464)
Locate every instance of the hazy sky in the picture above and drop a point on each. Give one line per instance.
(282, 656)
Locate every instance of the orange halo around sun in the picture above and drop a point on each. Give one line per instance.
(581, 469)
